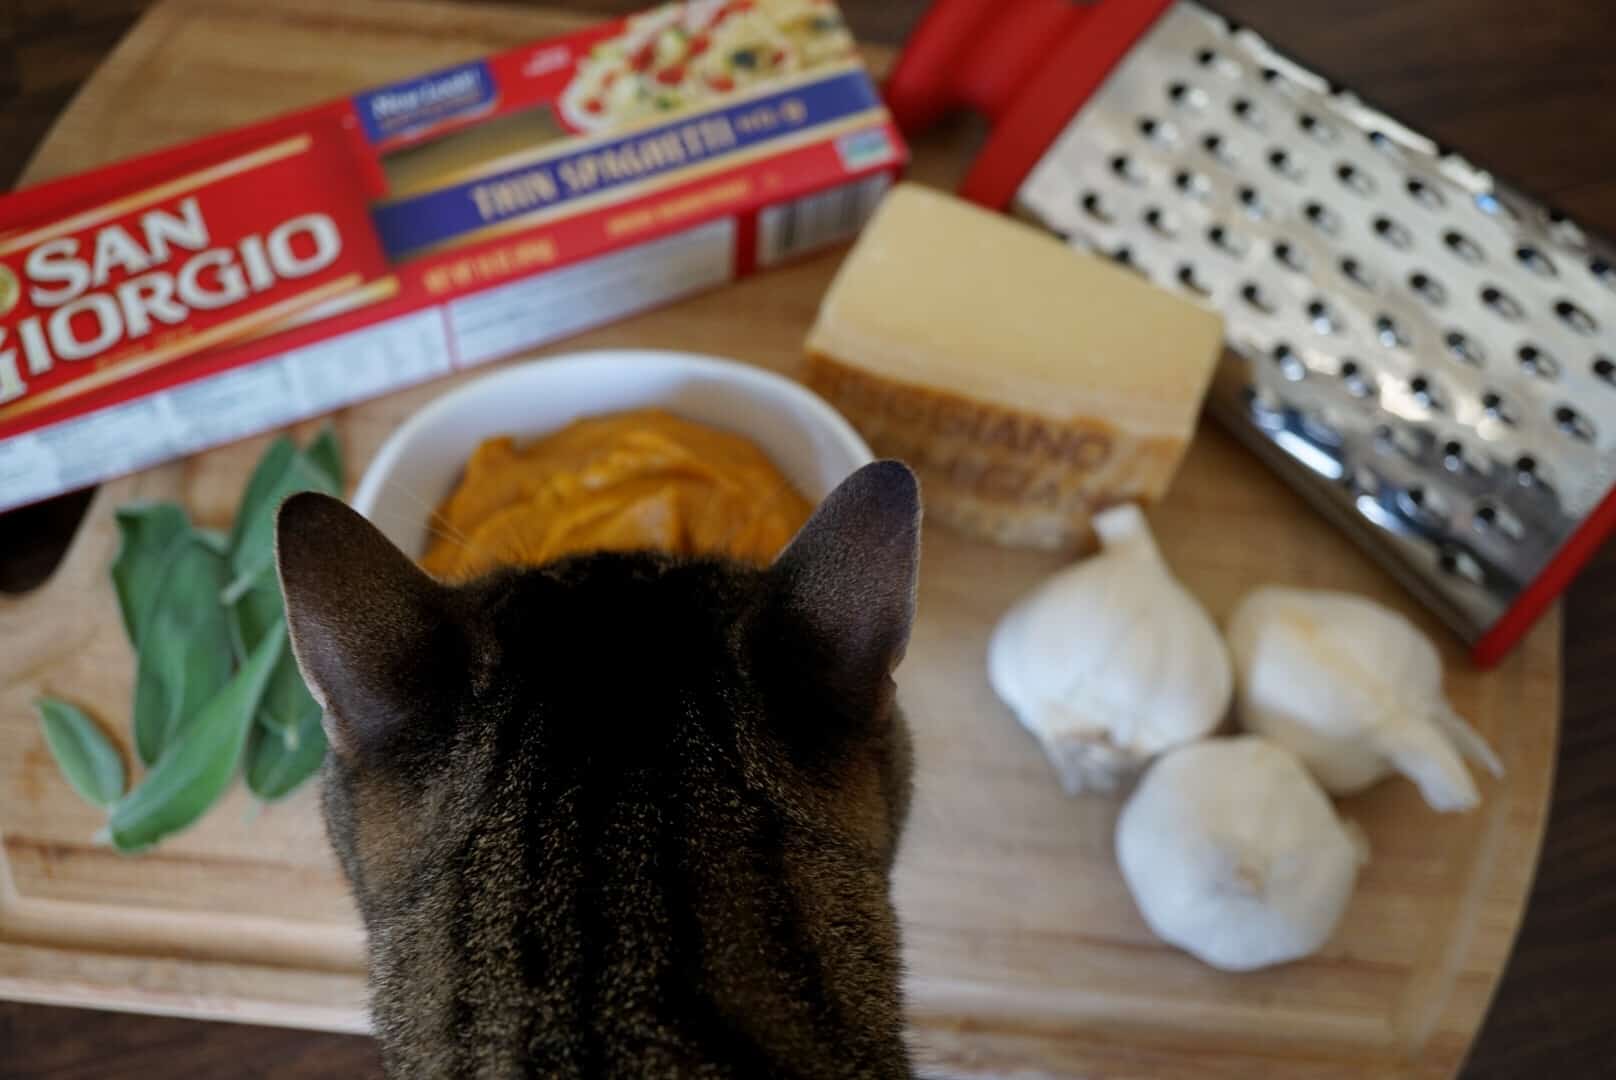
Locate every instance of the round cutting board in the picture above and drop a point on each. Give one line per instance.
(1025, 954)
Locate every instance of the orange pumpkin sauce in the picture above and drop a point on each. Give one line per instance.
(624, 482)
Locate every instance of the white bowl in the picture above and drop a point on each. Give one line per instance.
(420, 463)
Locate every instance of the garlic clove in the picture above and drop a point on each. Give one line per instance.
(1422, 752)
(1355, 690)
(1232, 852)
(1111, 661)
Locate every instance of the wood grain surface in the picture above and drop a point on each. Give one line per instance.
(59, 1042)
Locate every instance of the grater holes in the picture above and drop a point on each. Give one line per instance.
(1315, 128)
(1290, 256)
(1192, 184)
(1191, 280)
(1459, 563)
(1422, 502)
(1320, 316)
(1284, 163)
(1490, 517)
(1462, 246)
(1357, 383)
(1535, 261)
(1355, 271)
(1390, 333)
(1212, 61)
(1464, 348)
(1423, 391)
(1574, 423)
(1501, 303)
(1576, 318)
(1453, 456)
(1526, 472)
(1230, 243)
(1158, 131)
(1252, 293)
(1493, 207)
(1424, 194)
(1536, 360)
(1603, 272)
(1393, 232)
(1161, 222)
(1428, 288)
(1251, 201)
(1271, 75)
(1322, 217)
(1218, 148)
(1095, 207)
(1381, 141)
(1123, 257)
(1266, 408)
(1247, 112)
(1289, 363)
(1186, 96)
(1127, 170)
(1494, 405)
(1354, 179)
(1605, 368)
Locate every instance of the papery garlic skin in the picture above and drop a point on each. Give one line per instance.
(1111, 661)
(1355, 690)
(1233, 853)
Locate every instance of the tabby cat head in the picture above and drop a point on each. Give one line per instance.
(624, 815)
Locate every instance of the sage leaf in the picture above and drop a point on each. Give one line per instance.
(280, 473)
(267, 476)
(325, 454)
(276, 769)
(184, 651)
(287, 706)
(197, 769)
(147, 540)
(88, 759)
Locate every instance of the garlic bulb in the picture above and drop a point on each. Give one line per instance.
(1234, 854)
(1111, 661)
(1355, 690)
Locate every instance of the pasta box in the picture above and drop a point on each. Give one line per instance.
(166, 304)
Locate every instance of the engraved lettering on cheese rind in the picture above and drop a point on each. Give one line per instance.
(993, 473)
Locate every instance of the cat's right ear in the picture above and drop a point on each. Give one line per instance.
(844, 588)
(374, 635)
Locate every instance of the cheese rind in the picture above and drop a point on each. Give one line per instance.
(1028, 384)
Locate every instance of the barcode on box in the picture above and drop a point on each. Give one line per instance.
(818, 221)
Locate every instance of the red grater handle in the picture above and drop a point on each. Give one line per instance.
(1028, 65)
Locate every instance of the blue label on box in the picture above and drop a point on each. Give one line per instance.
(408, 106)
(437, 217)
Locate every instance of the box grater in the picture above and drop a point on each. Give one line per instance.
(1426, 354)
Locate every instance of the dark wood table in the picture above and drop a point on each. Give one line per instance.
(1525, 88)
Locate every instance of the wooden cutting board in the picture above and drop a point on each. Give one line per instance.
(1026, 956)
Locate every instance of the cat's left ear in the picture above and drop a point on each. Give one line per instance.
(377, 639)
(848, 578)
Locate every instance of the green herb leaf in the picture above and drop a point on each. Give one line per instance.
(198, 768)
(147, 541)
(281, 472)
(266, 478)
(87, 758)
(325, 454)
(276, 769)
(184, 649)
(287, 707)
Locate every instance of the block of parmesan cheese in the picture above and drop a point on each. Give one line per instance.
(1029, 385)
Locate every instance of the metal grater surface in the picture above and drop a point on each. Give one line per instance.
(1423, 352)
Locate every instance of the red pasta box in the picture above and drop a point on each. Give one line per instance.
(184, 299)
